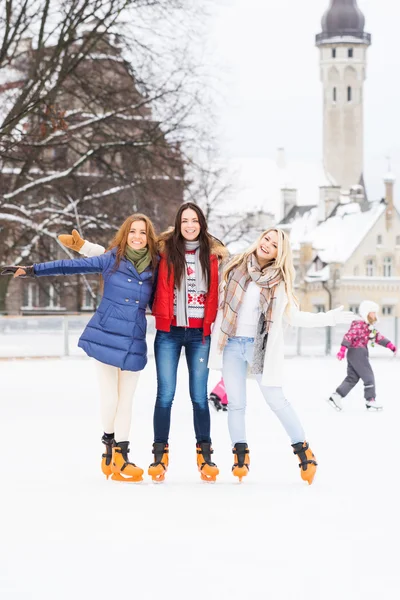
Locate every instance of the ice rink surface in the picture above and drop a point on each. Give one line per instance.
(67, 533)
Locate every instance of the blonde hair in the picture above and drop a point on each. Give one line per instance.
(283, 261)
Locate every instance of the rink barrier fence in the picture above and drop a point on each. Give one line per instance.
(36, 336)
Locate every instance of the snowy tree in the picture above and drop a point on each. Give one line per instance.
(97, 103)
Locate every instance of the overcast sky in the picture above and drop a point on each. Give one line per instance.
(269, 81)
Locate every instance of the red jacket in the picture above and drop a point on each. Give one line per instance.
(163, 305)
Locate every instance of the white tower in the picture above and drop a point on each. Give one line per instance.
(343, 55)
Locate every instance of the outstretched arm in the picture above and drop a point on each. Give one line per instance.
(298, 318)
(383, 341)
(78, 266)
(77, 243)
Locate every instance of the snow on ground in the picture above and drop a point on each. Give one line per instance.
(68, 533)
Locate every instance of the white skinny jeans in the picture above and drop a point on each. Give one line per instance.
(116, 395)
(238, 354)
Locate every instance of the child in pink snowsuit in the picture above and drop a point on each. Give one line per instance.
(355, 342)
(218, 396)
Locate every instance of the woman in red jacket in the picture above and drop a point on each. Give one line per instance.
(185, 306)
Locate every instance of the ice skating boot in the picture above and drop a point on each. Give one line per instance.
(159, 467)
(122, 469)
(108, 441)
(208, 469)
(335, 400)
(308, 464)
(224, 407)
(215, 402)
(374, 404)
(241, 465)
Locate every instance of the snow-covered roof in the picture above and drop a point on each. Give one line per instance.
(336, 239)
(259, 182)
(317, 275)
(302, 228)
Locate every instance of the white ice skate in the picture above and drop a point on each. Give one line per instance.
(335, 400)
(374, 404)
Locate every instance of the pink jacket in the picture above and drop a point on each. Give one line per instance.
(360, 333)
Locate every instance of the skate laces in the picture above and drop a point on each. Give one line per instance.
(240, 454)
(159, 449)
(301, 452)
(205, 452)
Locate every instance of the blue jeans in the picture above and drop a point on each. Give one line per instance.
(238, 354)
(167, 351)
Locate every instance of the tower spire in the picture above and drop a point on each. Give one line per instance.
(343, 18)
(343, 45)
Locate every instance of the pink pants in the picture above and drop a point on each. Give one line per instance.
(219, 391)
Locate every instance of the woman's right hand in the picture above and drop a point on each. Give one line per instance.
(18, 271)
(74, 241)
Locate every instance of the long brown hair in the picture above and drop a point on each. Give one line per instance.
(174, 244)
(120, 239)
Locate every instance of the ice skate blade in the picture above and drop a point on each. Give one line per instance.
(374, 408)
(118, 477)
(208, 481)
(334, 406)
(208, 478)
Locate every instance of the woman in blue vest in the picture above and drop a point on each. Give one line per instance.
(116, 334)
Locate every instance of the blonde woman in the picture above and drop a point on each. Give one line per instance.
(256, 299)
(116, 334)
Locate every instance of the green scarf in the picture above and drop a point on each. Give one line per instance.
(140, 259)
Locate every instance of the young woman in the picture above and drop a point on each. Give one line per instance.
(185, 306)
(256, 299)
(361, 333)
(116, 334)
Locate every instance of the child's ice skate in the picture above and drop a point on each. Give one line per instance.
(218, 397)
(208, 469)
(374, 404)
(159, 467)
(241, 465)
(215, 402)
(308, 464)
(122, 469)
(335, 400)
(108, 441)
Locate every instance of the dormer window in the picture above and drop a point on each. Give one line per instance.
(379, 240)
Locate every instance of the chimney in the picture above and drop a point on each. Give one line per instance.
(389, 181)
(289, 199)
(329, 198)
(357, 194)
(306, 253)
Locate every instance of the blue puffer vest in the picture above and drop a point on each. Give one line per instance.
(116, 334)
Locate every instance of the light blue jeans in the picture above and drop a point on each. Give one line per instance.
(238, 354)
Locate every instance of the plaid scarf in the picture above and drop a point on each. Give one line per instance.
(239, 279)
